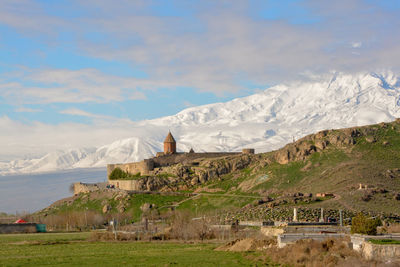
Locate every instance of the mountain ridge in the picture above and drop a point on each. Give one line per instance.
(265, 121)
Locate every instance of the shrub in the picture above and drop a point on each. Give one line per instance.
(118, 174)
(363, 225)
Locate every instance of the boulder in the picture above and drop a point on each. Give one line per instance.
(370, 139)
(106, 208)
(145, 207)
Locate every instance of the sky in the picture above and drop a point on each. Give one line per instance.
(77, 73)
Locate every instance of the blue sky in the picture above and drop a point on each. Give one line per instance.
(84, 63)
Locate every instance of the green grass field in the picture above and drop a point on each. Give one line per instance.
(72, 249)
(385, 242)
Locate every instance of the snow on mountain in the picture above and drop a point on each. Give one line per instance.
(264, 121)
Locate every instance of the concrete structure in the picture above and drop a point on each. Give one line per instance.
(322, 218)
(370, 251)
(286, 239)
(250, 223)
(359, 240)
(381, 252)
(295, 214)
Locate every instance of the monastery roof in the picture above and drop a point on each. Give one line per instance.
(169, 138)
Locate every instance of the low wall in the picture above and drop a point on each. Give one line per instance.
(167, 160)
(86, 188)
(10, 228)
(286, 239)
(358, 240)
(250, 223)
(271, 230)
(380, 252)
(316, 229)
(130, 185)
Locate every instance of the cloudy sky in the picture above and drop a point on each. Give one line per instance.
(76, 73)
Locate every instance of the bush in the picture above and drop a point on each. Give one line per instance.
(363, 225)
(118, 174)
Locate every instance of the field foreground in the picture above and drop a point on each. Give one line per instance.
(70, 249)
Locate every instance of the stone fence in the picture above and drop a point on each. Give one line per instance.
(385, 252)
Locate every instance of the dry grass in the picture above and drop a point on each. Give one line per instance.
(183, 227)
(311, 253)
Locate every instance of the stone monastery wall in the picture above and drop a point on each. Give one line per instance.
(146, 166)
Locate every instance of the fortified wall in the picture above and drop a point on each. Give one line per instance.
(167, 158)
(86, 188)
(146, 166)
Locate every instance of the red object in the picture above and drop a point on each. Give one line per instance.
(20, 221)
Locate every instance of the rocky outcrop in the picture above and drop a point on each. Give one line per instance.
(295, 151)
(320, 141)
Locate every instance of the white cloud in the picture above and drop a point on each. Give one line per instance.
(36, 139)
(217, 47)
(79, 112)
(29, 110)
(71, 86)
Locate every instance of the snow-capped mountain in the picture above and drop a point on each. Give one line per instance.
(264, 121)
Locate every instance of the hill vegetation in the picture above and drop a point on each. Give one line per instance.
(355, 169)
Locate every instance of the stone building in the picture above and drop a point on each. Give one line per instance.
(169, 144)
(169, 157)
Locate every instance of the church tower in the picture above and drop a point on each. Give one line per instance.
(169, 144)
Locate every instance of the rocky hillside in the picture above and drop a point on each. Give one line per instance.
(358, 169)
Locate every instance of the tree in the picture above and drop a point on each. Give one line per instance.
(363, 225)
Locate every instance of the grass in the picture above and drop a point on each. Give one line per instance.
(132, 207)
(71, 250)
(161, 201)
(385, 241)
(209, 203)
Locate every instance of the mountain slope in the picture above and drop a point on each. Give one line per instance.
(265, 121)
(267, 186)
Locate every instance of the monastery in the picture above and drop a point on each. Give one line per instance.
(169, 157)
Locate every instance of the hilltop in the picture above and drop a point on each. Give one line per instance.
(267, 185)
(265, 121)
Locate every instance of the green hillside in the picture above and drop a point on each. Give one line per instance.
(268, 185)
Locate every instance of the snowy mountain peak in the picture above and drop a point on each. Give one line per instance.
(265, 121)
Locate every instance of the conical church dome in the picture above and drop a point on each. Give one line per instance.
(169, 138)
